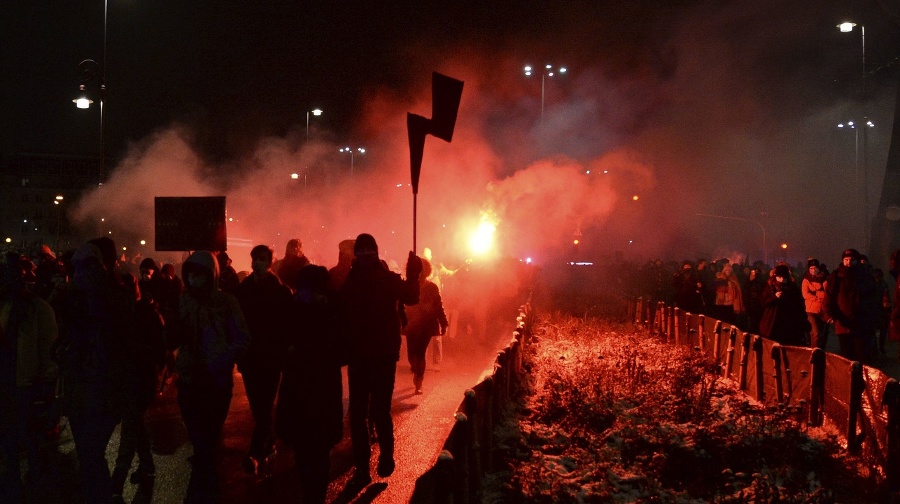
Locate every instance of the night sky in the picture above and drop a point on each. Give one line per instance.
(724, 108)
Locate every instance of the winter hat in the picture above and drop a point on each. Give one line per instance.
(365, 245)
(149, 264)
(852, 253)
(812, 262)
(782, 270)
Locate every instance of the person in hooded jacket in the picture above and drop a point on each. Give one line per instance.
(265, 303)
(97, 363)
(426, 319)
(686, 284)
(28, 374)
(211, 334)
(310, 410)
(784, 315)
(371, 297)
(288, 267)
(729, 299)
(813, 289)
(849, 294)
(884, 293)
(149, 357)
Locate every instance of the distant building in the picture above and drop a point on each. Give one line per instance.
(37, 191)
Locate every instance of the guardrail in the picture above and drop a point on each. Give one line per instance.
(859, 403)
(468, 452)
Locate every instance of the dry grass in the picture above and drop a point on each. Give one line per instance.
(613, 415)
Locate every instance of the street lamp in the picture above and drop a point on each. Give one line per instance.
(316, 112)
(847, 27)
(865, 165)
(90, 71)
(56, 202)
(360, 150)
(547, 71)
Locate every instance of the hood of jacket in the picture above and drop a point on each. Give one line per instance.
(204, 261)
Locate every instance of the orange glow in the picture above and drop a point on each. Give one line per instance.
(575, 241)
(784, 245)
(635, 197)
(481, 241)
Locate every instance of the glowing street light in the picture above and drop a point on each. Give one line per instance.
(316, 112)
(90, 71)
(847, 27)
(547, 71)
(359, 150)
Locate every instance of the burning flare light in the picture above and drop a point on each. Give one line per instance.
(482, 239)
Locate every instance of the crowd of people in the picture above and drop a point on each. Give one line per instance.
(856, 301)
(83, 339)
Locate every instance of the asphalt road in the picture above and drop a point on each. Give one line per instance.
(422, 423)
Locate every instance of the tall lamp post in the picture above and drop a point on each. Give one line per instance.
(546, 72)
(847, 27)
(360, 150)
(56, 202)
(90, 71)
(316, 112)
(865, 166)
(744, 219)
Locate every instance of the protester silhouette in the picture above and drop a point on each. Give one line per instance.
(370, 300)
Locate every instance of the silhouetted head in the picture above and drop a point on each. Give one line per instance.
(365, 246)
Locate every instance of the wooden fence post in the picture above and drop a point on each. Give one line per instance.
(701, 326)
(717, 335)
(758, 360)
(745, 361)
(676, 334)
(462, 443)
(487, 434)
(444, 468)
(779, 387)
(729, 356)
(817, 387)
(671, 323)
(638, 311)
(857, 385)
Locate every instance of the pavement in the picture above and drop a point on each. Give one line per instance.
(421, 425)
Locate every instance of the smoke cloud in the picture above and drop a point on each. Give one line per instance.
(624, 150)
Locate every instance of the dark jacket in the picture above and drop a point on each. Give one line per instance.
(34, 324)
(310, 401)
(99, 351)
(849, 298)
(427, 318)
(784, 317)
(687, 293)
(211, 331)
(370, 299)
(265, 302)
